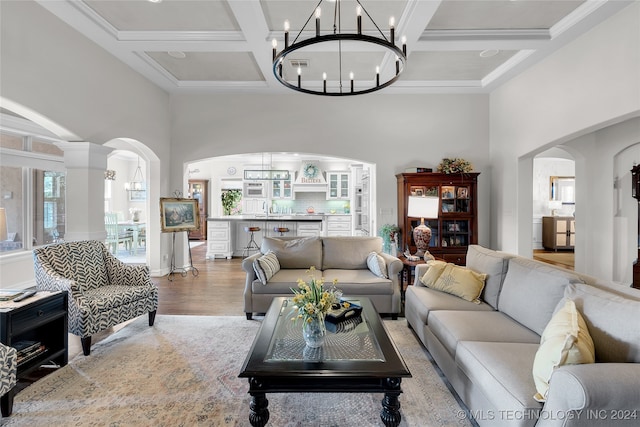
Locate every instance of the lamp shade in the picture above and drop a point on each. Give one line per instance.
(423, 207)
(3, 224)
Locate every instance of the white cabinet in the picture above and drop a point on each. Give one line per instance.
(219, 239)
(282, 189)
(338, 185)
(251, 206)
(339, 225)
(273, 225)
(307, 228)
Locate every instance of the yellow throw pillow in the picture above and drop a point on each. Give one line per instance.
(433, 272)
(459, 281)
(565, 341)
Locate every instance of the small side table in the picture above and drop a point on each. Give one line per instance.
(407, 268)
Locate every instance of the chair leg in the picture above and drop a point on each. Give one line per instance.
(6, 403)
(152, 317)
(249, 316)
(86, 345)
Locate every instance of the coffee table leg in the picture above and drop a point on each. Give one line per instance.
(258, 412)
(390, 413)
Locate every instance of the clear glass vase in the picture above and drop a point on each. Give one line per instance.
(314, 332)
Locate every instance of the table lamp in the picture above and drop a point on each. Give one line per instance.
(423, 207)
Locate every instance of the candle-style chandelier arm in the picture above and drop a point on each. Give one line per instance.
(339, 37)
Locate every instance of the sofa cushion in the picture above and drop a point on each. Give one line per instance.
(302, 252)
(502, 371)
(348, 253)
(531, 291)
(282, 282)
(423, 300)
(376, 265)
(451, 327)
(266, 266)
(495, 265)
(612, 321)
(459, 281)
(359, 282)
(565, 341)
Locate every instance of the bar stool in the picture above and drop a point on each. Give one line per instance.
(281, 230)
(252, 245)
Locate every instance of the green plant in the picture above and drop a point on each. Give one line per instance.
(455, 165)
(230, 199)
(388, 232)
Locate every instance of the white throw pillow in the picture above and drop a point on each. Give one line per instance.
(376, 265)
(266, 266)
(565, 341)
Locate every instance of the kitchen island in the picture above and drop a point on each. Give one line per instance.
(226, 235)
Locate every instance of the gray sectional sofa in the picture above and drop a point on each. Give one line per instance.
(487, 350)
(341, 258)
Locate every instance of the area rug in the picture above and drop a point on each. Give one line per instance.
(184, 372)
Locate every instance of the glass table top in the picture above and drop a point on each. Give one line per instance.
(350, 340)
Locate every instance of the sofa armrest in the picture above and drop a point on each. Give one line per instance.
(593, 394)
(419, 272)
(394, 265)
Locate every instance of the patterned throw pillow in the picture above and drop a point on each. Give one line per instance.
(456, 280)
(376, 265)
(266, 266)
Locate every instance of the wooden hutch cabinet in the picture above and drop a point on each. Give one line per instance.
(457, 225)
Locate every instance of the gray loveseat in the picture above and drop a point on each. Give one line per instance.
(487, 350)
(341, 258)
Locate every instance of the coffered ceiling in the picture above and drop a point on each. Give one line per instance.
(225, 45)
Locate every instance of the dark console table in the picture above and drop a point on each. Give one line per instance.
(41, 319)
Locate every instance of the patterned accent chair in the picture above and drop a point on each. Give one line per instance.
(103, 291)
(8, 371)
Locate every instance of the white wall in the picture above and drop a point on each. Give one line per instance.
(571, 93)
(51, 72)
(391, 131)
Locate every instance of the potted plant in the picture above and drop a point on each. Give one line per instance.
(389, 234)
(230, 199)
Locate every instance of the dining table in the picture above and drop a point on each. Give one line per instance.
(135, 227)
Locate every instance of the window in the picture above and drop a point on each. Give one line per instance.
(32, 191)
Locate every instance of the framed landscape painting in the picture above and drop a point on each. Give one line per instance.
(179, 214)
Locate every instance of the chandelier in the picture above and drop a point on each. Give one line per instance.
(137, 182)
(342, 56)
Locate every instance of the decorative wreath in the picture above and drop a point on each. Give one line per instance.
(310, 170)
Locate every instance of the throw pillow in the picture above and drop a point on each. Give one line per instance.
(376, 265)
(565, 341)
(460, 281)
(266, 266)
(433, 272)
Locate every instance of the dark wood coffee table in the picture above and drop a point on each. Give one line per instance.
(359, 357)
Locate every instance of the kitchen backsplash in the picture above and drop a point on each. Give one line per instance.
(305, 200)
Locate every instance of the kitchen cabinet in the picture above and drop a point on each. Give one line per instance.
(457, 224)
(199, 190)
(272, 225)
(339, 225)
(219, 241)
(338, 185)
(252, 206)
(282, 189)
(308, 229)
(558, 232)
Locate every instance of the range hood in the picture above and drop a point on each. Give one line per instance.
(310, 178)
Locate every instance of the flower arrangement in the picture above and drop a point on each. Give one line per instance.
(455, 165)
(311, 297)
(135, 214)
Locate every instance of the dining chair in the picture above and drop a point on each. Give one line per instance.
(114, 235)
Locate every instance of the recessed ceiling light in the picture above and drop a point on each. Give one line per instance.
(154, 1)
(177, 54)
(488, 53)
